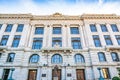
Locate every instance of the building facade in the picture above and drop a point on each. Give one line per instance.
(69, 47)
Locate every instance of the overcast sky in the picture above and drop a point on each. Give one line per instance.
(67, 7)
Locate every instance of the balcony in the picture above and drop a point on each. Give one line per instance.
(112, 48)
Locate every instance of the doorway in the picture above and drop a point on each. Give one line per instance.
(80, 73)
(58, 74)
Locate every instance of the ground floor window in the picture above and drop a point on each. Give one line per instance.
(106, 73)
(5, 74)
(32, 74)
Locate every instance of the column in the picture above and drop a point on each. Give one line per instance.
(82, 37)
(25, 35)
(100, 33)
(68, 37)
(12, 34)
(112, 35)
(38, 74)
(30, 40)
(49, 36)
(45, 36)
(89, 39)
(64, 36)
(2, 30)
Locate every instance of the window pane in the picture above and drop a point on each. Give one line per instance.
(1, 26)
(118, 39)
(34, 58)
(108, 40)
(101, 57)
(74, 30)
(114, 28)
(4, 40)
(20, 28)
(16, 41)
(106, 73)
(9, 28)
(10, 57)
(37, 43)
(103, 28)
(79, 58)
(57, 59)
(114, 56)
(93, 28)
(57, 42)
(56, 30)
(76, 43)
(96, 41)
(39, 30)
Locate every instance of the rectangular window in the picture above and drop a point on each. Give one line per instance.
(74, 30)
(108, 40)
(104, 28)
(37, 43)
(1, 26)
(16, 41)
(56, 30)
(4, 40)
(20, 28)
(118, 39)
(32, 74)
(114, 28)
(93, 28)
(39, 30)
(9, 28)
(96, 41)
(6, 73)
(106, 73)
(57, 42)
(76, 43)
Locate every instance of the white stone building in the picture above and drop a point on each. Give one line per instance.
(70, 47)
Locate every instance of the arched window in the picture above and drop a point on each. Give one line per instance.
(34, 58)
(57, 59)
(79, 58)
(114, 56)
(10, 57)
(101, 56)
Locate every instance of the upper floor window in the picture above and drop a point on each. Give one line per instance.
(9, 28)
(4, 40)
(104, 28)
(57, 41)
(79, 58)
(96, 41)
(74, 30)
(114, 28)
(20, 28)
(34, 58)
(10, 57)
(108, 40)
(37, 43)
(56, 59)
(105, 72)
(0, 55)
(56, 30)
(115, 56)
(93, 28)
(39, 30)
(76, 43)
(1, 26)
(118, 39)
(101, 56)
(16, 41)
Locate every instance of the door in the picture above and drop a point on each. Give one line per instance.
(32, 74)
(80, 74)
(58, 74)
(5, 74)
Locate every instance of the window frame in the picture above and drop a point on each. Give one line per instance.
(56, 59)
(115, 55)
(9, 56)
(20, 28)
(93, 28)
(103, 28)
(74, 30)
(79, 58)
(16, 41)
(57, 41)
(39, 30)
(97, 41)
(103, 58)
(74, 41)
(58, 30)
(114, 27)
(108, 40)
(4, 40)
(9, 28)
(34, 58)
(37, 43)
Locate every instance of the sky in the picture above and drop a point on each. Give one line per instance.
(66, 7)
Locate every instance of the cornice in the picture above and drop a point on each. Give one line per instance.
(58, 16)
